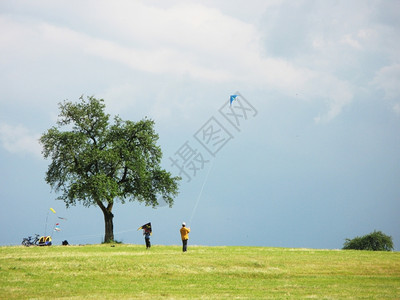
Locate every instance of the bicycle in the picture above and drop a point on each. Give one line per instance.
(30, 242)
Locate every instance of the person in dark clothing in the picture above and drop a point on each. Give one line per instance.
(146, 233)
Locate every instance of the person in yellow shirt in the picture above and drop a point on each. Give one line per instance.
(185, 236)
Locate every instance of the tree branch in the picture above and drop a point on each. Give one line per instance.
(123, 179)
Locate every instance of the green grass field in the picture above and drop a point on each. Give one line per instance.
(164, 272)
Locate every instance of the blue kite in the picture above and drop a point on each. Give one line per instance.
(233, 97)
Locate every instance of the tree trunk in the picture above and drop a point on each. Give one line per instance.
(108, 220)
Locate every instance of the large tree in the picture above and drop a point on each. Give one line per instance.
(96, 162)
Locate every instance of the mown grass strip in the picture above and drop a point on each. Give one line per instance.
(132, 272)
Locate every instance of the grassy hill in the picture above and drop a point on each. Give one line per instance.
(132, 272)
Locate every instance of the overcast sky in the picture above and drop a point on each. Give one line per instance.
(307, 155)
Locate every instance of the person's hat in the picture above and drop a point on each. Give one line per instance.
(183, 224)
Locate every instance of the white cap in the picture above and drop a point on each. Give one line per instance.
(183, 223)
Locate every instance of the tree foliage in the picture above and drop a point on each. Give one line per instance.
(375, 241)
(96, 162)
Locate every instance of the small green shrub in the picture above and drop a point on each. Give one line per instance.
(375, 241)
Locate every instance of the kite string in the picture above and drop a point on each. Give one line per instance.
(201, 192)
